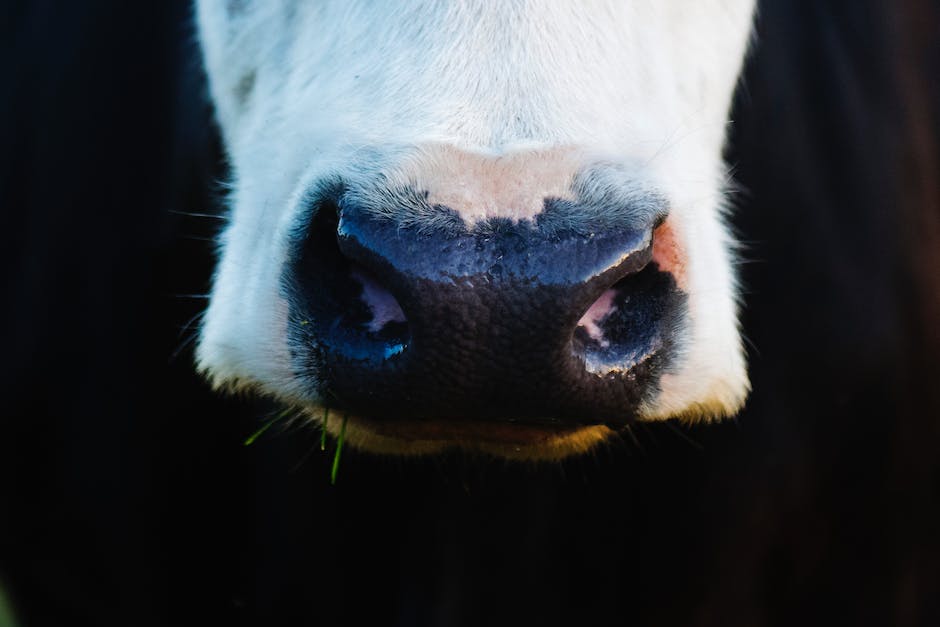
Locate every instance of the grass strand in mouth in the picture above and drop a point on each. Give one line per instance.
(257, 434)
(326, 419)
(339, 450)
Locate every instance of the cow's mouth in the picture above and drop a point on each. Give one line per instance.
(547, 440)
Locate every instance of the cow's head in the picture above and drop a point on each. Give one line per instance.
(490, 225)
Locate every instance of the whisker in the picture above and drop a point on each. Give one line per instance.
(697, 446)
(179, 349)
(648, 432)
(634, 439)
(198, 215)
(748, 341)
(188, 325)
(304, 459)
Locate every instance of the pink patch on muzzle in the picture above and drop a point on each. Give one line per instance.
(381, 303)
(596, 313)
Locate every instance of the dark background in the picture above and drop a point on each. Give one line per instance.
(128, 498)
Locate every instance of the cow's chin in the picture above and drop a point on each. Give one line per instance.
(507, 440)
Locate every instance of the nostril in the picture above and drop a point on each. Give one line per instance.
(628, 323)
(347, 311)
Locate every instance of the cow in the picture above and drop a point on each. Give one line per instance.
(128, 496)
(496, 227)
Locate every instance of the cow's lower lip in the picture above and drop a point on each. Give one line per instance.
(532, 441)
(472, 431)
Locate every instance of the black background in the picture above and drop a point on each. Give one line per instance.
(128, 498)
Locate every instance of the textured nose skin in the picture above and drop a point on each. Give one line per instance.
(490, 324)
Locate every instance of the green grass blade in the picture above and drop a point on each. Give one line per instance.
(339, 450)
(326, 418)
(254, 436)
(6, 611)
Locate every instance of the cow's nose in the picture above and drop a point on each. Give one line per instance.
(523, 321)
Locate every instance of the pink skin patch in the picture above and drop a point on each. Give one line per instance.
(512, 185)
(668, 254)
(590, 321)
(381, 303)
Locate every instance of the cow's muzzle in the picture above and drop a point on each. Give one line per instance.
(502, 321)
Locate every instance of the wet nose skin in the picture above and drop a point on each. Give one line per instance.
(489, 321)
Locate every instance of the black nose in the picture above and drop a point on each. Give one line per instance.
(548, 320)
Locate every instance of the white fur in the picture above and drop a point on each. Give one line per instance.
(305, 90)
